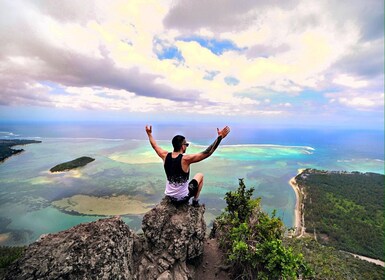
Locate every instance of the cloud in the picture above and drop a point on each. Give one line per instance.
(358, 100)
(368, 16)
(217, 57)
(36, 55)
(218, 15)
(363, 59)
(266, 50)
(350, 81)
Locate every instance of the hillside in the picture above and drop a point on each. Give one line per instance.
(345, 210)
(330, 263)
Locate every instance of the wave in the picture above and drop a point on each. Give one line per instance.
(361, 160)
(261, 146)
(8, 134)
(80, 138)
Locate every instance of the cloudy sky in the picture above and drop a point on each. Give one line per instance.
(289, 63)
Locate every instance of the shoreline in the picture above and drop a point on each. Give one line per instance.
(298, 210)
(299, 220)
(6, 150)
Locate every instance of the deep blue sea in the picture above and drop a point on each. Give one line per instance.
(127, 177)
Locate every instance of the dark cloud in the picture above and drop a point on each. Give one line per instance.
(367, 15)
(44, 61)
(73, 69)
(363, 60)
(218, 15)
(22, 92)
(68, 10)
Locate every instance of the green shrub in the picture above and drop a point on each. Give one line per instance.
(252, 240)
(9, 254)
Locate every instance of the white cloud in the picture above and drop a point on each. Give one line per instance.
(359, 101)
(104, 55)
(349, 81)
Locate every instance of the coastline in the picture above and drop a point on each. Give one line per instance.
(299, 220)
(6, 145)
(298, 211)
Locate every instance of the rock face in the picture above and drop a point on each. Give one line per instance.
(108, 249)
(97, 250)
(173, 236)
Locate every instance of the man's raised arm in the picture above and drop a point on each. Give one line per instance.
(210, 149)
(161, 153)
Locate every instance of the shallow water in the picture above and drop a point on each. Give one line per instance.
(130, 168)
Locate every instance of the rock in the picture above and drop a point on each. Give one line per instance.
(97, 250)
(174, 235)
(108, 249)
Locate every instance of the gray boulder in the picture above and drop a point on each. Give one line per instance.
(97, 250)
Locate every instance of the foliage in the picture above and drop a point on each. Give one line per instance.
(9, 255)
(252, 240)
(330, 263)
(79, 162)
(346, 210)
(6, 144)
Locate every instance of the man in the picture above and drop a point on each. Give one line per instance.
(177, 166)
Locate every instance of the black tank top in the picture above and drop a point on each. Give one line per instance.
(174, 171)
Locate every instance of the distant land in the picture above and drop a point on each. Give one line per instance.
(343, 209)
(79, 162)
(5, 147)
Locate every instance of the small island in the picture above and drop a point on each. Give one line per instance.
(79, 162)
(5, 147)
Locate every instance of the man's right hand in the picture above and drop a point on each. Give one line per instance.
(149, 129)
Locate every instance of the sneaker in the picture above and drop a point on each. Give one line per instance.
(195, 203)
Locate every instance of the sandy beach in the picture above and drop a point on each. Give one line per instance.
(113, 205)
(299, 219)
(298, 222)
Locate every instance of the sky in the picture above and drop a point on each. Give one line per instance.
(292, 63)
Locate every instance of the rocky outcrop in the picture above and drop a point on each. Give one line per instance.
(97, 250)
(173, 237)
(108, 249)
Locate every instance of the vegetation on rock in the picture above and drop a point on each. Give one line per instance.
(9, 255)
(79, 162)
(252, 240)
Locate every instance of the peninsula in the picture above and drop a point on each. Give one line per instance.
(79, 162)
(5, 147)
(341, 209)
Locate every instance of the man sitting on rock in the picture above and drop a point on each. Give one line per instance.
(177, 166)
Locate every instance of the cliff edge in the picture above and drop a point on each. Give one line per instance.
(173, 238)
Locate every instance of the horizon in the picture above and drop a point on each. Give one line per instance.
(287, 64)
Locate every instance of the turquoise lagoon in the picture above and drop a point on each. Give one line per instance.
(126, 165)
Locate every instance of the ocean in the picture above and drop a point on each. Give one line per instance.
(127, 177)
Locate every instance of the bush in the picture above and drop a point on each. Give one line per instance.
(9, 254)
(252, 240)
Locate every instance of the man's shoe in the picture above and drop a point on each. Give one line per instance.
(195, 203)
